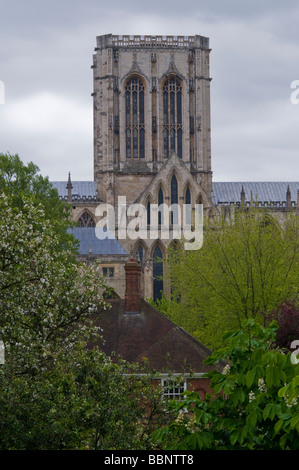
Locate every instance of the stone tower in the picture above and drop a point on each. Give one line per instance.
(152, 124)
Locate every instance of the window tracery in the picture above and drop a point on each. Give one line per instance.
(135, 128)
(172, 117)
(86, 220)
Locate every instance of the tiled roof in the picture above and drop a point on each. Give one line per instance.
(150, 335)
(89, 243)
(230, 192)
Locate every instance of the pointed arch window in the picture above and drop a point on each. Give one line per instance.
(135, 129)
(148, 213)
(157, 273)
(188, 206)
(160, 202)
(172, 117)
(140, 254)
(174, 199)
(86, 220)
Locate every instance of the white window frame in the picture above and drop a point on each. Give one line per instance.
(175, 389)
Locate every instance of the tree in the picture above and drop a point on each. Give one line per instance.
(57, 390)
(87, 401)
(19, 181)
(45, 297)
(255, 400)
(247, 266)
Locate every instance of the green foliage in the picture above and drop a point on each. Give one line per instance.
(85, 402)
(45, 297)
(57, 391)
(163, 305)
(247, 266)
(254, 405)
(20, 182)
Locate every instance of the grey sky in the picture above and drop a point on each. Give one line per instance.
(46, 51)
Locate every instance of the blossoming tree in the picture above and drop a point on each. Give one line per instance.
(56, 390)
(46, 300)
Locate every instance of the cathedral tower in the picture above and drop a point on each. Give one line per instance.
(152, 131)
(151, 99)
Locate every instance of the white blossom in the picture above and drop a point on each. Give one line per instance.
(290, 403)
(262, 386)
(226, 369)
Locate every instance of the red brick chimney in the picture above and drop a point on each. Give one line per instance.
(132, 295)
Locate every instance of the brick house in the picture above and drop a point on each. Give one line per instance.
(136, 331)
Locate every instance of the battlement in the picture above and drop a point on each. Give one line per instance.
(149, 41)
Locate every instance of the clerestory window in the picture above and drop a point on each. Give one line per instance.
(135, 129)
(86, 220)
(172, 118)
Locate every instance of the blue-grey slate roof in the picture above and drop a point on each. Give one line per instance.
(90, 243)
(223, 192)
(81, 189)
(230, 192)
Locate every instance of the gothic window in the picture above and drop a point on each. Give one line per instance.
(140, 254)
(157, 273)
(188, 206)
(135, 129)
(148, 213)
(174, 199)
(172, 117)
(86, 220)
(160, 202)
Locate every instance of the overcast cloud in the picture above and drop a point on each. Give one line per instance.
(46, 52)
